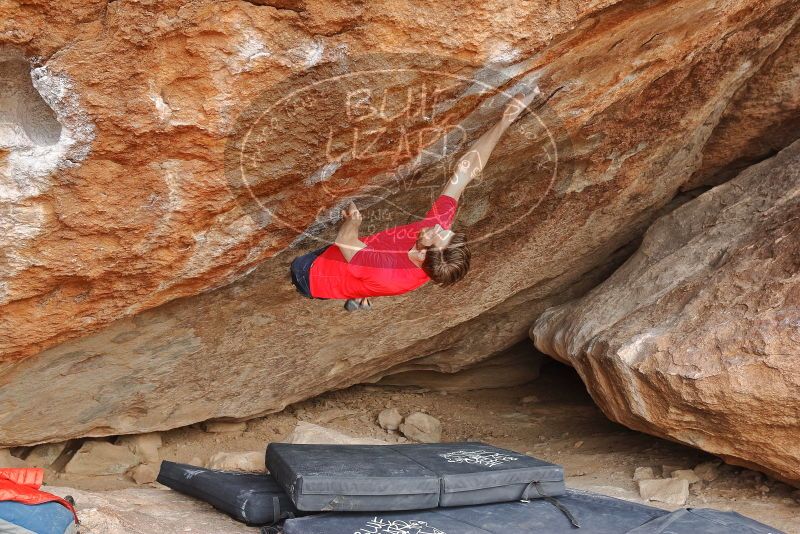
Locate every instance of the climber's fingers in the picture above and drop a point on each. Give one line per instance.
(353, 211)
(519, 102)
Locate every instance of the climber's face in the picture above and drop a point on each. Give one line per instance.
(434, 236)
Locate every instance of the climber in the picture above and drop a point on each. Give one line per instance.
(402, 258)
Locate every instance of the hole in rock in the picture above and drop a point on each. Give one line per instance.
(25, 118)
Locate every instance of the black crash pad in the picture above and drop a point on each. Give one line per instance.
(705, 521)
(408, 477)
(255, 499)
(597, 514)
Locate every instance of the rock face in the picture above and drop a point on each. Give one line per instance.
(44, 455)
(695, 337)
(8, 460)
(137, 167)
(101, 458)
(764, 113)
(140, 510)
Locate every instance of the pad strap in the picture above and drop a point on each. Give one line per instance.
(552, 500)
(277, 517)
(276, 509)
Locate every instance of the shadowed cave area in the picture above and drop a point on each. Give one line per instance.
(25, 118)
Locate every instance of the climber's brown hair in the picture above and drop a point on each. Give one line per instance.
(448, 265)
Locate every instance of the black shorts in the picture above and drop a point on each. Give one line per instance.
(299, 271)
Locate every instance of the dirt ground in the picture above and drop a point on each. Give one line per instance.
(557, 421)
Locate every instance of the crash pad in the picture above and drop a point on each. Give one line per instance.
(253, 498)
(44, 518)
(705, 521)
(597, 514)
(408, 477)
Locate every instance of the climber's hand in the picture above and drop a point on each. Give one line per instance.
(351, 214)
(517, 104)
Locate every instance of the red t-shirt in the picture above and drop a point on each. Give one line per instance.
(382, 267)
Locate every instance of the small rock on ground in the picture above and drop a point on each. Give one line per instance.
(309, 433)
(666, 470)
(422, 427)
(643, 473)
(667, 490)
(390, 419)
(707, 471)
(686, 474)
(144, 474)
(251, 462)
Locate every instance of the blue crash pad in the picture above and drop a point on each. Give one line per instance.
(45, 518)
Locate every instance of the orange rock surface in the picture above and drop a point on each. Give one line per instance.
(163, 162)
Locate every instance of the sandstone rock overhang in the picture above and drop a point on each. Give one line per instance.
(148, 297)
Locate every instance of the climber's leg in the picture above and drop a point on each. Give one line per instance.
(299, 271)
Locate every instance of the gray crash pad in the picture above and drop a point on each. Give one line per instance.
(408, 477)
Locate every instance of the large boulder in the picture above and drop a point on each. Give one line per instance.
(695, 338)
(143, 159)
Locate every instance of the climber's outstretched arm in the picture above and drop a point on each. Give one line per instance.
(472, 163)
